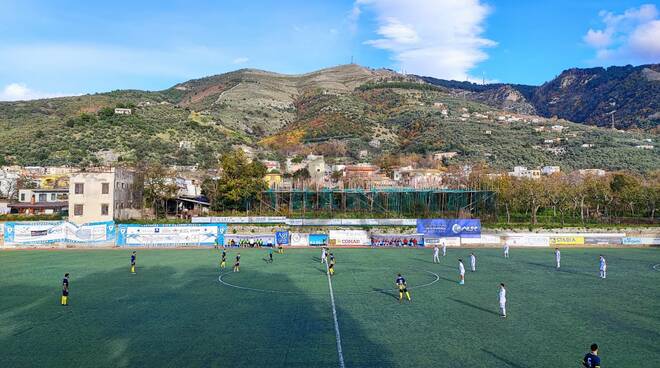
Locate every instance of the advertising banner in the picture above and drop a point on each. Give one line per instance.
(318, 239)
(351, 222)
(640, 241)
(2, 234)
(527, 241)
(438, 228)
(599, 240)
(171, 235)
(250, 240)
(349, 237)
(239, 220)
(483, 239)
(397, 240)
(282, 237)
(299, 239)
(566, 240)
(450, 242)
(48, 232)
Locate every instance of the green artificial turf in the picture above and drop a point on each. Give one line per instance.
(175, 312)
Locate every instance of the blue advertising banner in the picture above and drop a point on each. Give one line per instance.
(318, 239)
(282, 237)
(441, 228)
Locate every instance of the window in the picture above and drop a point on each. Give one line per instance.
(79, 188)
(104, 210)
(22, 197)
(43, 197)
(105, 188)
(78, 209)
(53, 197)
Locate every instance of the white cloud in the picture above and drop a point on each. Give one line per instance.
(21, 92)
(440, 38)
(240, 60)
(630, 37)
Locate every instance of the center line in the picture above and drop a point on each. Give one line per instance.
(334, 315)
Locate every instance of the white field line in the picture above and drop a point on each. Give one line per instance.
(334, 316)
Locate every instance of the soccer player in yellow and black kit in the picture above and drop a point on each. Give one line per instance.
(237, 264)
(223, 261)
(133, 261)
(331, 265)
(65, 290)
(403, 288)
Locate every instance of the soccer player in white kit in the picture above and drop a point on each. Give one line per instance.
(324, 256)
(603, 267)
(461, 271)
(502, 296)
(506, 251)
(444, 248)
(558, 257)
(436, 254)
(473, 262)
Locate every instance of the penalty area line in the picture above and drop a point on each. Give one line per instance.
(656, 267)
(334, 316)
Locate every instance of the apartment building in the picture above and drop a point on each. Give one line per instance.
(104, 194)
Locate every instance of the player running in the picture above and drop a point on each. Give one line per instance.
(331, 269)
(270, 255)
(473, 262)
(223, 260)
(403, 288)
(65, 290)
(133, 261)
(502, 297)
(506, 251)
(558, 258)
(237, 264)
(591, 359)
(461, 272)
(603, 267)
(332, 258)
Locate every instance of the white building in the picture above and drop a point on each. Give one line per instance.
(439, 156)
(549, 170)
(104, 194)
(645, 146)
(120, 111)
(592, 172)
(523, 172)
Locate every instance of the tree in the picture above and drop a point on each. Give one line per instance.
(239, 182)
(159, 186)
(533, 194)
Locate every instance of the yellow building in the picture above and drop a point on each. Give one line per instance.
(273, 180)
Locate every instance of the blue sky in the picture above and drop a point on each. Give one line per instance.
(51, 48)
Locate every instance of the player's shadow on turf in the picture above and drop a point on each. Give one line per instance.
(474, 306)
(503, 360)
(387, 292)
(552, 267)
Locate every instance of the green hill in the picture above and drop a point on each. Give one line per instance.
(340, 112)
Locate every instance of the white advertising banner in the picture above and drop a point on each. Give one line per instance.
(349, 237)
(351, 222)
(528, 241)
(240, 220)
(44, 232)
(299, 239)
(450, 241)
(162, 235)
(483, 239)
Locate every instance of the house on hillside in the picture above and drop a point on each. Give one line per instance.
(122, 111)
(41, 202)
(523, 172)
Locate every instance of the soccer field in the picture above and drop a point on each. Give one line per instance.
(177, 312)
